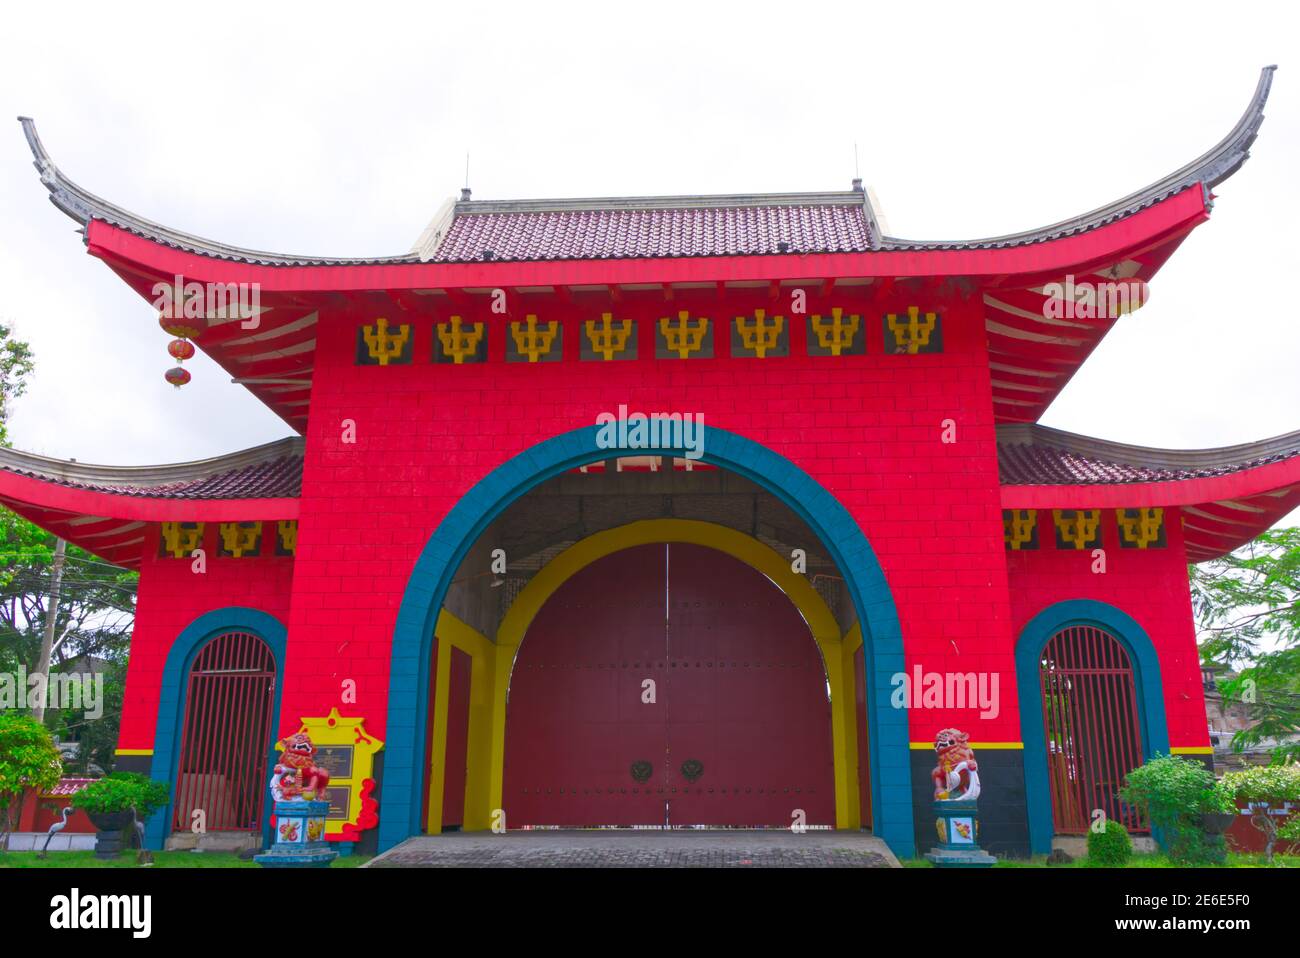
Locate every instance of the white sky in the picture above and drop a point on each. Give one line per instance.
(338, 129)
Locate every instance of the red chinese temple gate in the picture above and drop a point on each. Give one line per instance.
(824, 357)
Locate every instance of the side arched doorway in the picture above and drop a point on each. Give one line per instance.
(222, 759)
(1091, 709)
(668, 684)
(1091, 727)
(176, 702)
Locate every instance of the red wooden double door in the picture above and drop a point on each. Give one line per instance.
(668, 685)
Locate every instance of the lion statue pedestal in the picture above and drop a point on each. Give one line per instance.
(956, 789)
(299, 837)
(297, 786)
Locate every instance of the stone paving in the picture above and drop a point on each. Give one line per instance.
(611, 848)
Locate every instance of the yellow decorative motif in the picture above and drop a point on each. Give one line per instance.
(836, 333)
(760, 334)
(607, 337)
(347, 752)
(1018, 527)
(460, 341)
(239, 538)
(682, 336)
(286, 531)
(532, 340)
(182, 538)
(1141, 527)
(1079, 528)
(913, 332)
(385, 345)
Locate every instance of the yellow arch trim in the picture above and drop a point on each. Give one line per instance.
(451, 632)
(821, 622)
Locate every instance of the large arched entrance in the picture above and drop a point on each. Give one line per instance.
(422, 613)
(669, 685)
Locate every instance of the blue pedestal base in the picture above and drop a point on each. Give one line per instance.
(299, 837)
(958, 826)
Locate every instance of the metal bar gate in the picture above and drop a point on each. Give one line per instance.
(227, 735)
(1091, 723)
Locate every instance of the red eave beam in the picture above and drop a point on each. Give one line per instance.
(52, 495)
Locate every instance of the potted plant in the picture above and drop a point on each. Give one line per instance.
(1220, 810)
(116, 803)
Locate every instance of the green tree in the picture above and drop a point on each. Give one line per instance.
(16, 365)
(1248, 607)
(96, 608)
(28, 759)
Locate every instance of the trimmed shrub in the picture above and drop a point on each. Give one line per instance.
(1174, 793)
(1111, 846)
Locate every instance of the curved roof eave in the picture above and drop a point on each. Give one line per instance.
(83, 206)
(1208, 170)
(1219, 460)
(270, 471)
(1226, 496)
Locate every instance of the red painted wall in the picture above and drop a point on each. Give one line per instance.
(867, 427)
(170, 597)
(1150, 585)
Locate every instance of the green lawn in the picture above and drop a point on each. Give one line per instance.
(1139, 860)
(161, 860)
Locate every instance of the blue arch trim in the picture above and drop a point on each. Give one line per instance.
(171, 702)
(1146, 678)
(891, 798)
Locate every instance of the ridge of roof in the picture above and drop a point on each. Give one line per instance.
(1207, 171)
(703, 201)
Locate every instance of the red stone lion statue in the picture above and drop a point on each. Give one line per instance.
(956, 777)
(296, 774)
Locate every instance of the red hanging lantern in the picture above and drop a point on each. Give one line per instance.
(1123, 296)
(177, 376)
(180, 326)
(181, 350)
